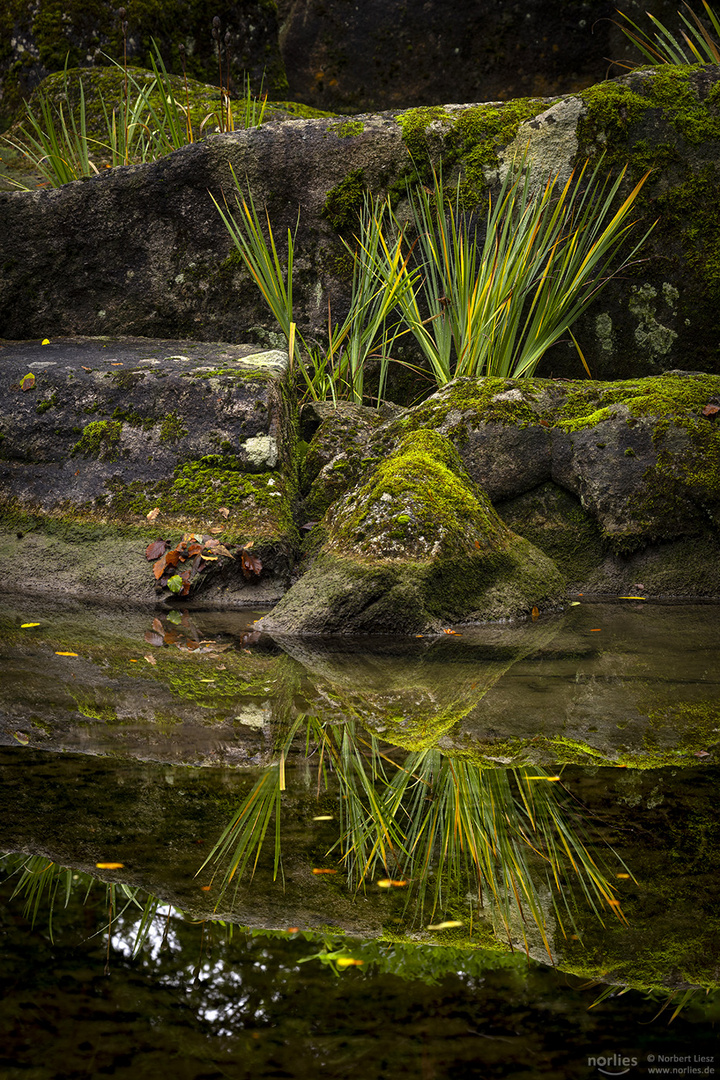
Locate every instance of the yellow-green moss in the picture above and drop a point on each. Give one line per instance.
(343, 203)
(99, 439)
(346, 129)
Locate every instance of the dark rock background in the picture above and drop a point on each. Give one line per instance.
(335, 55)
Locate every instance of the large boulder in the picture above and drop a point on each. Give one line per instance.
(142, 249)
(617, 483)
(97, 434)
(414, 548)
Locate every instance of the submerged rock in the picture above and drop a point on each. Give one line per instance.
(416, 547)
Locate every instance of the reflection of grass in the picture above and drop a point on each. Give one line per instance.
(441, 825)
(45, 884)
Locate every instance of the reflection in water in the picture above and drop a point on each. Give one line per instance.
(420, 835)
(436, 826)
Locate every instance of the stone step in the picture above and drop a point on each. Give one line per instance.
(107, 443)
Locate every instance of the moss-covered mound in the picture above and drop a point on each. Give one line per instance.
(416, 547)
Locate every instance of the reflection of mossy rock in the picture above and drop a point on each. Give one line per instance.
(416, 547)
(411, 693)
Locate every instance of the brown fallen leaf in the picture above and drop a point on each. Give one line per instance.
(251, 565)
(709, 410)
(27, 382)
(153, 638)
(224, 511)
(217, 529)
(155, 549)
(158, 626)
(535, 614)
(159, 568)
(153, 514)
(150, 659)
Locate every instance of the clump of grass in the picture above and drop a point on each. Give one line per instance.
(380, 281)
(486, 299)
(500, 296)
(146, 124)
(694, 44)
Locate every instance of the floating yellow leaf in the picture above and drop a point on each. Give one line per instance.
(27, 625)
(45, 341)
(448, 925)
(323, 817)
(348, 961)
(27, 382)
(21, 737)
(109, 865)
(324, 871)
(388, 883)
(66, 654)
(205, 888)
(542, 777)
(622, 875)
(632, 598)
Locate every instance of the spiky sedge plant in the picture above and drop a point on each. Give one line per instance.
(486, 299)
(380, 281)
(696, 44)
(499, 296)
(138, 129)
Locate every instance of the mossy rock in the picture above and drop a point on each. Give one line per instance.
(44, 38)
(416, 547)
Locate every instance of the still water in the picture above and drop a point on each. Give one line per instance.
(490, 854)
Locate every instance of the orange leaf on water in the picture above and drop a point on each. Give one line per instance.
(535, 614)
(324, 871)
